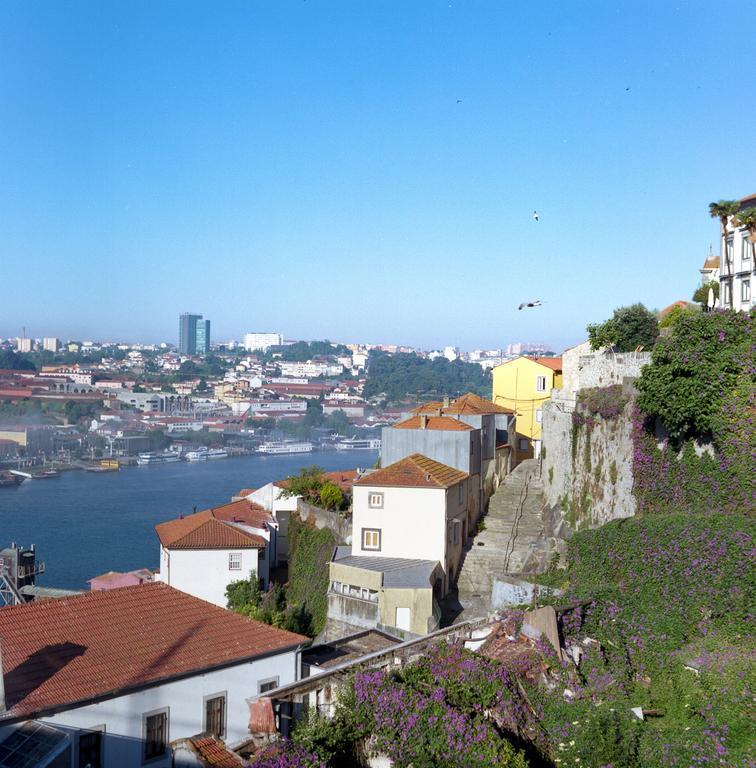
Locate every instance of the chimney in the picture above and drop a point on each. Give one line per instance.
(2, 681)
(423, 421)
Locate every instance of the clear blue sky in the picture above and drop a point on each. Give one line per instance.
(307, 166)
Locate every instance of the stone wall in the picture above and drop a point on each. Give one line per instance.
(587, 470)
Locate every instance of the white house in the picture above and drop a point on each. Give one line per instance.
(201, 554)
(123, 672)
(736, 272)
(415, 508)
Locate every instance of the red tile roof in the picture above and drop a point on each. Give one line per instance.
(59, 653)
(442, 423)
(555, 363)
(468, 404)
(203, 530)
(214, 753)
(415, 471)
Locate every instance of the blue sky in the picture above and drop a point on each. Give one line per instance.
(363, 171)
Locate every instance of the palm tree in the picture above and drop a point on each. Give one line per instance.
(723, 210)
(747, 218)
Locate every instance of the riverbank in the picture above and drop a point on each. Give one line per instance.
(87, 523)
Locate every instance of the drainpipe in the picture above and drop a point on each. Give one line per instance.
(2, 682)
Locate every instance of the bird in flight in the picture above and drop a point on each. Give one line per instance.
(535, 215)
(530, 304)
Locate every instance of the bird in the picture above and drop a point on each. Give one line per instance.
(535, 215)
(531, 304)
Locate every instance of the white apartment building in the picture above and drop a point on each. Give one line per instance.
(116, 675)
(261, 342)
(310, 369)
(737, 271)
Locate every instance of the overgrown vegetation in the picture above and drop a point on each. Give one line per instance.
(701, 388)
(396, 377)
(313, 486)
(310, 551)
(626, 330)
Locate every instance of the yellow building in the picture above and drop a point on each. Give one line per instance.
(524, 385)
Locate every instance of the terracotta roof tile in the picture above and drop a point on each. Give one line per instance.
(415, 471)
(468, 404)
(440, 423)
(214, 753)
(60, 652)
(203, 530)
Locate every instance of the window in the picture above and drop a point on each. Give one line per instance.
(155, 729)
(267, 685)
(371, 538)
(375, 501)
(90, 749)
(745, 290)
(539, 416)
(215, 714)
(540, 383)
(234, 561)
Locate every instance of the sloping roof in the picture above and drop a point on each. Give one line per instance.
(443, 423)
(398, 572)
(468, 404)
(102, 644)
(203, 530)
(214, 753)
(555, 363)
(415, 471)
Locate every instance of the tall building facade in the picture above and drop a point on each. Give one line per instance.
(737, 270)
(194, 334)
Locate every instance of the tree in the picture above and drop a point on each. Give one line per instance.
(307, 484)
(627, 329)
(11, 361)
(701, 294)
(747, 218)
(331, 496)
(695, 368)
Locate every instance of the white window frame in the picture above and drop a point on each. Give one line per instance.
(365, 533)
(375, 500)
(234, 561)
(539, 386)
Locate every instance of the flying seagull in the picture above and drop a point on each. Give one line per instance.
(534, 303)
(535, 215)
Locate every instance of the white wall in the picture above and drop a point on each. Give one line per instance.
(412, 521)
(204, 573)
(123, 721)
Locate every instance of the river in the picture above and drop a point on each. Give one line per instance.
(84, 524)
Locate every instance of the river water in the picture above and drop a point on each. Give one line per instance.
(84, 523)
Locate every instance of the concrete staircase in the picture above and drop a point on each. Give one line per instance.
(514, 540)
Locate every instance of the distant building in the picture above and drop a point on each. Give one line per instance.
(254, 342)
(194, 335)
(51, 344)
(736, 274)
